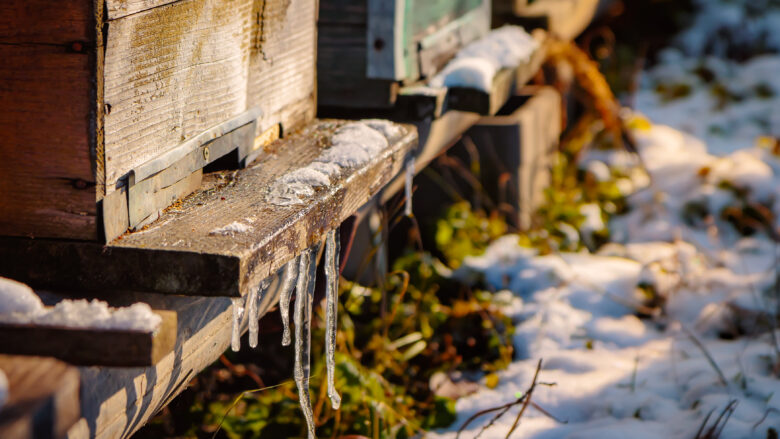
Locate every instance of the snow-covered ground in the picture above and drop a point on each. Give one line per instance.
(706, 293)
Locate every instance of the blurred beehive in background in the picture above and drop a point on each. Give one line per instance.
(367, 49)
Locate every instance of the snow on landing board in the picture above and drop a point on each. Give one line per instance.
(486, 73)
(177, 254)
(83, 332)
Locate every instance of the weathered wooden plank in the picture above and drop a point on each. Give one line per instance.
(282, 62)
(180, 254)
(505, 84)
(91, 347)
(49, 189)
(43, 400)
(172, 72)
(385, 40)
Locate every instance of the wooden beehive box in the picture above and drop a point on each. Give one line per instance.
(111, 108)
(368, 48)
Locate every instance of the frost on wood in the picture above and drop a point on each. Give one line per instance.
(238, 312)
(408, 186)
(232, 229)
(19, 304)
(352, 145)
(331, 310)
(288, 284)
(477, 63)
(304, 297)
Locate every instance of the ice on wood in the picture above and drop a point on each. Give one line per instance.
(288, 285)
(331, 312)
(352, 145)
(19, 304)
(238, 312)
(477, 63)
(303, 303)
(232, 229)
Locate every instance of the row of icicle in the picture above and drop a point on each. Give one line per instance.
(300, 275)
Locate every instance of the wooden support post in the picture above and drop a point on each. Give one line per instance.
(43, 398)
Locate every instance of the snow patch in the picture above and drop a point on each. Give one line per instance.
(20, 305)
(352, 145)
(476, 64)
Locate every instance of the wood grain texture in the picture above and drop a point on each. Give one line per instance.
(342, 60)
(282, 62)
(91, 347)
(179, 254)
(122, 8)
(43, 400)
(170, 73)
(41, 22)
(47, 186)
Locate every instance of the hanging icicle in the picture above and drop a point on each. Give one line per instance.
(331, 309)
(304, 296)
(238, 312)
(408, 186)
(253, 311)
(288, 284)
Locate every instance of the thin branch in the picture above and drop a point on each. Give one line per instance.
(528, 394)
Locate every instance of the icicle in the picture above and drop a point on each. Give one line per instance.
(331, 310)
(238, 312)
(288, 284)
(408, 188)
(303, 302)
(253, 312)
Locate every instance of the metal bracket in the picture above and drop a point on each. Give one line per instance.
(158, 183)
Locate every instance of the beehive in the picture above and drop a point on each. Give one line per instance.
(111, 108)
(368, 48)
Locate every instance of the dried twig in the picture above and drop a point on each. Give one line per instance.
(717, 427)
(524, 399)
(528, 394)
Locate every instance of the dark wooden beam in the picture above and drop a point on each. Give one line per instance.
(91, 347)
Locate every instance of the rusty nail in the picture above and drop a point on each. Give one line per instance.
(206, 153)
